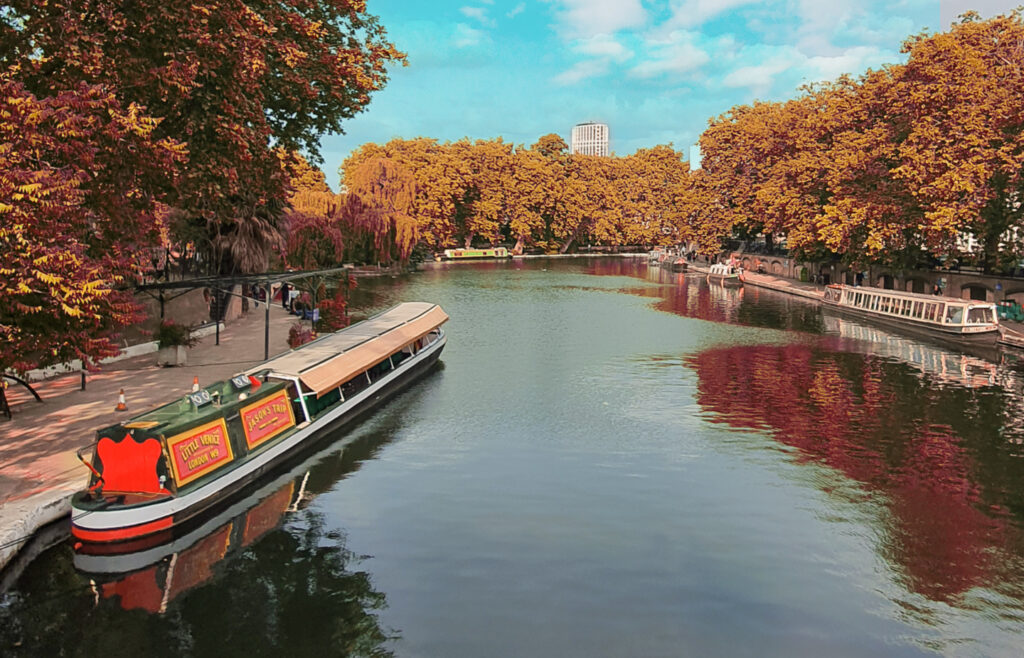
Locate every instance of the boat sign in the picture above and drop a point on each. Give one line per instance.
(267, 418)
(199, 451)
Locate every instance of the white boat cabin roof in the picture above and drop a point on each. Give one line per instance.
(329, 361)
(903, 294)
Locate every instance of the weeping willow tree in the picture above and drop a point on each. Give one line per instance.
(385, 191)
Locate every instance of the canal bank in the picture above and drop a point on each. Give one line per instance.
(613, 460)
(40, 470)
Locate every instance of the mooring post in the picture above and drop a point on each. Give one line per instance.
(266, 327)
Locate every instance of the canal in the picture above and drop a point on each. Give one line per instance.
(611, 460)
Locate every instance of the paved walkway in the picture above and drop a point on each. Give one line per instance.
(799, 288)
(38, 467)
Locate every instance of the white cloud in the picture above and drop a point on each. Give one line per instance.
(603, 45)
(478, 13)
(582, 19)
(515, 11)
(589, 68)
(796, 68)
(675, 54)
(693, 13)
(467, 37)
(853, 61)
(949, 10)
(758, 78)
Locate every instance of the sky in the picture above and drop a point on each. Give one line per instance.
(654, 70)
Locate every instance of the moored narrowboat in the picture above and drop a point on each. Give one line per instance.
(476, 254)
(168, 465)
(961, 320)
(725, 275)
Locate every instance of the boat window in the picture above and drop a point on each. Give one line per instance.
(907, 304)
(979, 315)
(355, 385)
(886, 304)
(918, 308)
(318, 406)
(402, 354)
(293, 395)
(955, 315)
(380, 369)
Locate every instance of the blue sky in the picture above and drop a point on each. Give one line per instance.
(654, 71)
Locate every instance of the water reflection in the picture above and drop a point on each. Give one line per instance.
(944, 462)
(690, 294)
(265, 576)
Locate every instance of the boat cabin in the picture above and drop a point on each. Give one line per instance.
(960, 315)
(223, 426)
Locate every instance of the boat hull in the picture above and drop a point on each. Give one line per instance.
(727, 280)
(129, 523)
(949, 337)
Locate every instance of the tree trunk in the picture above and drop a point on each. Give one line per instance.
(518, 249)
(469, 239)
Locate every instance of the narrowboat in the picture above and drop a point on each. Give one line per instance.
(476, 254)
(961, 320)
(166, 466)
(725, 275)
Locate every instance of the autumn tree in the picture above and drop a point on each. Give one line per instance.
(386, 192)
(81, 176)
(233, 81)
(961, 95)
(314, 242)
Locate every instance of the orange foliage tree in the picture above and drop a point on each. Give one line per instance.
(232, 81)
(80, 181)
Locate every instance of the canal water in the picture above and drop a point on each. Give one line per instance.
(610, 460)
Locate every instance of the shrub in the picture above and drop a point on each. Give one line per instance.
(299, 334)
(172, 334)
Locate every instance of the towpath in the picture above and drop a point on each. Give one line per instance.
(38, 467)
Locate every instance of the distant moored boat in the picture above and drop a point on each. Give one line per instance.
(963, 320)
(473, 254)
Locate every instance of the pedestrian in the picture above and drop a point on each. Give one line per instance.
(284, 295)
(936, 290)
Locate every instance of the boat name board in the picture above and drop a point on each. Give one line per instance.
(199, 451)
(267, 418)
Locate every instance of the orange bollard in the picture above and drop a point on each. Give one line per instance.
(195, 384)
(121, 406)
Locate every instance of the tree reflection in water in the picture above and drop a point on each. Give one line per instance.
(272, 580)
(945, 459)
(291, 593)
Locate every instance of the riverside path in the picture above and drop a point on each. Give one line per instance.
(38, 468)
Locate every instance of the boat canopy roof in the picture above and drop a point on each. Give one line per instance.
(911, 295)
(329, 361)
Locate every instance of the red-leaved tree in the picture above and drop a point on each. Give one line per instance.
(80, 179)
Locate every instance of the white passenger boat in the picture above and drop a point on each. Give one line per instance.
(724, 274)
(962, 320)
(168, 465)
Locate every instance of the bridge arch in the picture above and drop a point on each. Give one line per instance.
(977, 290)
